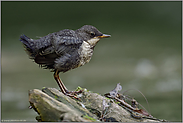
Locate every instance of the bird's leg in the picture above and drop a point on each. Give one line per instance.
(62, 86)
(59, 82)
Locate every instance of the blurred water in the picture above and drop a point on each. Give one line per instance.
(143, 53)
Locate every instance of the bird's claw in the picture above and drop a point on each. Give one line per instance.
(73, 94)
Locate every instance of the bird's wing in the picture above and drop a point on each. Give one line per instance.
(66, 41)
(61, 44)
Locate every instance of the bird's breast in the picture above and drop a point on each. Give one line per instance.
(85, 53)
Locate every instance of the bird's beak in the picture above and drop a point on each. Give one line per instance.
(104, 36)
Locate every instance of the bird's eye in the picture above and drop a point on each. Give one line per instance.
(92, 34)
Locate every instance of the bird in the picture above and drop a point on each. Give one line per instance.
(63, 50)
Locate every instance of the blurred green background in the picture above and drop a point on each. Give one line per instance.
(143, 53)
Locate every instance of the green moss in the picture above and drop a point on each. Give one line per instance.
(88, 117)
(78, 88)
(43, 87)
(56, 97)
(108, 98)
(117, 102)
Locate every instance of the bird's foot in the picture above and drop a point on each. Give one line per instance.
(73, 94)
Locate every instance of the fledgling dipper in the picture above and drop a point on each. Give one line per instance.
(64, 50)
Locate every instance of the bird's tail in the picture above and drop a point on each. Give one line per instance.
(28, 44)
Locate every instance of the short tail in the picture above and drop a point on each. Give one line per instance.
(28, 45)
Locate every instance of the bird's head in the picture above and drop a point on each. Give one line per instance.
(91, 34)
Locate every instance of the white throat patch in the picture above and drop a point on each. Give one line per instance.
(93, 41)
(85, 52)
